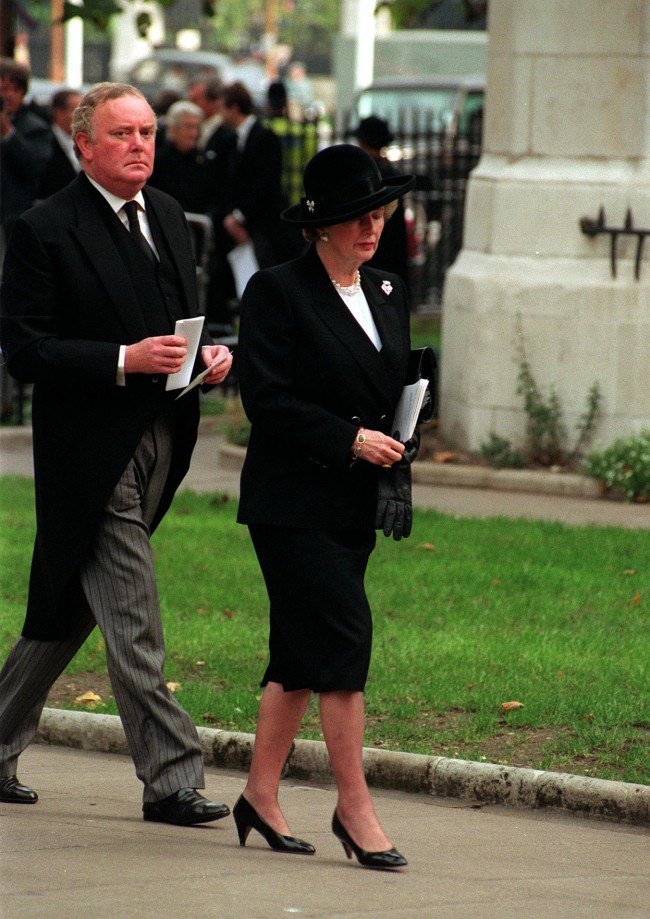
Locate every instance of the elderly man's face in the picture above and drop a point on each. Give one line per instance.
(120, 154)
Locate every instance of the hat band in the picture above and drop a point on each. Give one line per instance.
(323, 204)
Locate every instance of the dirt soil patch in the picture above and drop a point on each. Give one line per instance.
(523, 747)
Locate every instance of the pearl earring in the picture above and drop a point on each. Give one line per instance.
(324, 237)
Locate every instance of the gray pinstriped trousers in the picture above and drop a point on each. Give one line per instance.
(119, 582)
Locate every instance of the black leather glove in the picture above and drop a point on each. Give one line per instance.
(394, 504)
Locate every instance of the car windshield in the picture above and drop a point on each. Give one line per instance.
(408, 105)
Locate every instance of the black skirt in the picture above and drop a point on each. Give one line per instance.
(321, 624)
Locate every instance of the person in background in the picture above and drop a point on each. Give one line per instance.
(250, 192)
(161, 106)
(95, 278)
(299, 140)
(179, 166)
(299, 90)
(214, 143)
(208, 95)
(374, 136)
(25, 149)
(63, 165)
(247, 196)
(25, 146)
(323, 348)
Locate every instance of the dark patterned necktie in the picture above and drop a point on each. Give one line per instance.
(131, 211)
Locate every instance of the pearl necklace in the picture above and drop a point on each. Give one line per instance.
(351, 290)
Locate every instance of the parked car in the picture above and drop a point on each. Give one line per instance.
(437, 124)
(168, 68)
(427, 103)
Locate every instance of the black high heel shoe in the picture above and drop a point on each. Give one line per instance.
(390, 858)
(247, 819)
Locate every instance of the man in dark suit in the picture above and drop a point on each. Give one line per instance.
(63, 165)
(94, 280)
(25, 145)
(250, 192)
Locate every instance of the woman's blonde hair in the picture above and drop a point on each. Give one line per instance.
(312, 234)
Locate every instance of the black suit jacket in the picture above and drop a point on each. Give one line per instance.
(251, 182)
(59, 172)
(309, 378)
(67, 306)
(23, 157)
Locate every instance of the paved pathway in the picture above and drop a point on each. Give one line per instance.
(83, 851)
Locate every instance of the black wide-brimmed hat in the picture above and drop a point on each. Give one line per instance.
(343, 182)
(374, 132)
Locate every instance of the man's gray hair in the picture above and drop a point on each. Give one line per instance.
(83, 119)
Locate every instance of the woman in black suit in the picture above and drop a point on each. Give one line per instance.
(323, 352)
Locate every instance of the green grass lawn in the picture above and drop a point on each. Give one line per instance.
(468, 614)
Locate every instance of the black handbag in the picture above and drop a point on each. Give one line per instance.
(423, 365)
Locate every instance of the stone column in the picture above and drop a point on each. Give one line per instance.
(567, 132)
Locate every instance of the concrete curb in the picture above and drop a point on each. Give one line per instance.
(485, 783)
(426, 472)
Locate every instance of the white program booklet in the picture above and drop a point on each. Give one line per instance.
(243, 263)
(191, 330)
(199, 378)
(408, 409)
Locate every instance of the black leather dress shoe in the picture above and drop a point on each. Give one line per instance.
(12, 792)
(184, 808)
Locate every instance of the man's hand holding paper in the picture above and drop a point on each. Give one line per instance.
(220, 359)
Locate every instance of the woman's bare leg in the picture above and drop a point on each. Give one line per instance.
(278, 720)
(342, 720)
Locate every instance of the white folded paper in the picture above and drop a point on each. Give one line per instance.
(408, 409)
(191, 330)
(244, 264)
(200, 377)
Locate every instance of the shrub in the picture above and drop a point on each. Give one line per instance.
(499, 454)
(545, 428)
(623, 467)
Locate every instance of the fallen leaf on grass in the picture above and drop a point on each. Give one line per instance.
(89, 699)
(637, 600)
(173, 687)
(429, 546)
(511, 706)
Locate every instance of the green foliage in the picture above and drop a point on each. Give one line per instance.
(498, 452)
(468, 614)
(235, 24)
(99, 12)
(623, 467)
(545, 427)
(405, 13)
(307, 26)
(236, 425)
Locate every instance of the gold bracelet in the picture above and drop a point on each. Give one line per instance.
(359, 442)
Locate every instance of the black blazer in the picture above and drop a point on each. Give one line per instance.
(309, 377)
(59, 172)
(67, 306)
(251, 182)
